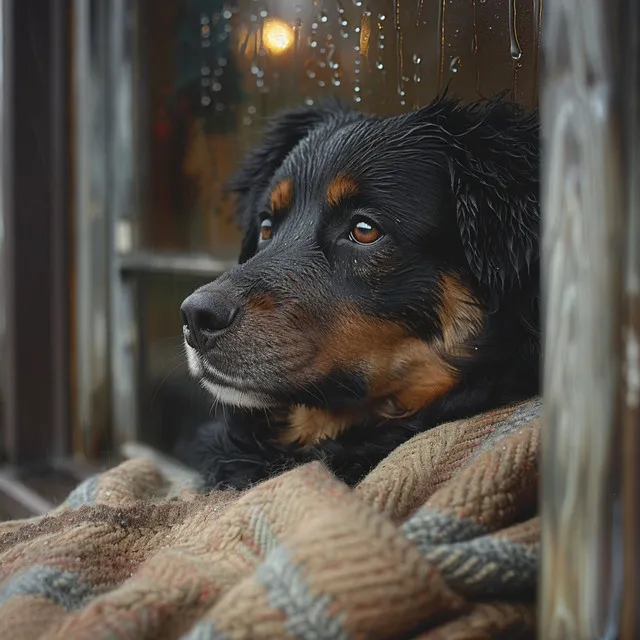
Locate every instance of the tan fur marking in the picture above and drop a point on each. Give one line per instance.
(281, 196)
(418, 376)
(308, 426)
(405, 374)
(261, 303)
(461, 317)
(340, 188)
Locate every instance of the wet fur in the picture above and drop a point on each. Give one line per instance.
(460, 184)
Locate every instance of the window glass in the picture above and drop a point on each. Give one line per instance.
(211, 72)
(171, 405)
(3, 256)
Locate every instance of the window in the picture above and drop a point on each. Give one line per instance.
(187, 87)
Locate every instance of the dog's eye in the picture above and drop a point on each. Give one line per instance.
(365, 232)
(266, 230)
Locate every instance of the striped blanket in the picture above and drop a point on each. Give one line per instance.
(440, 541)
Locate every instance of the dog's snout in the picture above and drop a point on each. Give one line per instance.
(205, 315)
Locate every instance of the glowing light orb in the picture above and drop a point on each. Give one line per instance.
(277, 36)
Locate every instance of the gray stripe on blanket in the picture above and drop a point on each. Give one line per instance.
(428, 527)
(204, 630)
(60, 587)
(523, 414)
(486, 566)
(287, 590)
(471, 561)
(84, 494)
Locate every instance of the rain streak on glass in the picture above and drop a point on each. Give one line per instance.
(383, 55)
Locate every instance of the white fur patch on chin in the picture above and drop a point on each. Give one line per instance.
(227, 395)
(195, 366)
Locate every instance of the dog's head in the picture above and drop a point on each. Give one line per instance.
(374, 251)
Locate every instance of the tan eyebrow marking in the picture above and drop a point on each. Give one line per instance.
(341, 188)
(281, 196)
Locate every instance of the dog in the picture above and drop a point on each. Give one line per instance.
(388, 281)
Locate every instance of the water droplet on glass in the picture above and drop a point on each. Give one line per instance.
(216, 86)
(358, 3)
(323, 17)
(205, 82)
(219, 106)
(335, 82)
(416, 59)
(264, 14)
(308, 102)
(227, 14)
(204, 19)
(357, 98)
(454, 66)
(382, 17)
(311, 74)
(313, 44)
(205, 101)
(379, 65)
(516, 51)
(246, 121)
(253, 17)
(205, 71)
(251, 109)
(356, 89)
(260, 83)
(345, 35)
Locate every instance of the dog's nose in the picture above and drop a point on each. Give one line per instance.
(206, 315)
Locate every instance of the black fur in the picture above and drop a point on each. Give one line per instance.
(455, 190)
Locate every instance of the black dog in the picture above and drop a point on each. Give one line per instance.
(388, 282)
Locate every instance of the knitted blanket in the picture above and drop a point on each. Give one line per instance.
(440, 541)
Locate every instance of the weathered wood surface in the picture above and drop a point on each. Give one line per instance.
(591, 272)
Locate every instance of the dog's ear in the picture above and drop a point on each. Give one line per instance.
(494, 171)
(284, 132)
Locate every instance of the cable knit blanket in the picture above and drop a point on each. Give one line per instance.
(440, 541)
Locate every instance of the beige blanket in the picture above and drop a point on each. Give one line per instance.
(440, 541)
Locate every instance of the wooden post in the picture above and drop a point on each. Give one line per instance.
(591, 276)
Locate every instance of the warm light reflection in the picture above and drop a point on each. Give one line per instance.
(365, 34)
(277, 36)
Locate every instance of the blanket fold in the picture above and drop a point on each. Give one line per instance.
(440, 541)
